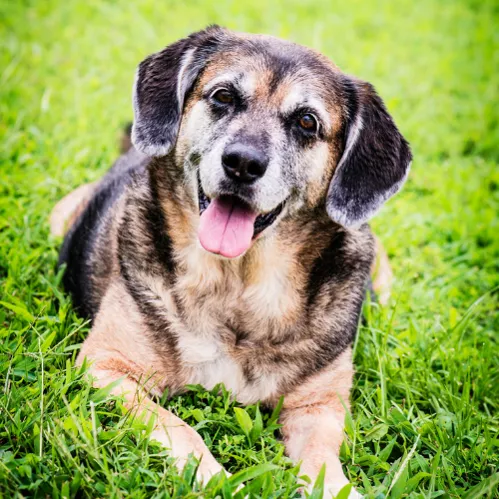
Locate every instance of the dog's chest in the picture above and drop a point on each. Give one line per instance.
(220, 316)
(208, 360)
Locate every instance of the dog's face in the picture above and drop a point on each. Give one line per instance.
(262, 128)
(265, 128)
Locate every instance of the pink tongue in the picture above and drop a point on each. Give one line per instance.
(226, 227)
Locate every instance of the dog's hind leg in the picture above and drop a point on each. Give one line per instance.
(67, 210)
(381, 274)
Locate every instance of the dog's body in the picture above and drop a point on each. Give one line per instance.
(224, 251)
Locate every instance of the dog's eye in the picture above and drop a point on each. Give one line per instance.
(223, 96)
(308, 122)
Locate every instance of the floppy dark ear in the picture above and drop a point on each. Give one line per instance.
(375, 161)
(161, 85)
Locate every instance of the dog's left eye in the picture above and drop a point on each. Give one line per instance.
(308, 122)
(223, 96)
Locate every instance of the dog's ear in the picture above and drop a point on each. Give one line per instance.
(161, 84)
(375, 160)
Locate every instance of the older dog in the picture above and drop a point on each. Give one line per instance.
(229, 244)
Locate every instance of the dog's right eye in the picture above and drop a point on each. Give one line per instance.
(223, 96)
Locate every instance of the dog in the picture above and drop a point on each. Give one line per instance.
(229, 243)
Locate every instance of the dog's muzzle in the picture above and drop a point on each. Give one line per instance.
(228, 225)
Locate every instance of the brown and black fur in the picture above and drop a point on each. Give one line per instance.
(282, 317)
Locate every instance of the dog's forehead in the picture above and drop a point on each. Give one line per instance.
(283, 73)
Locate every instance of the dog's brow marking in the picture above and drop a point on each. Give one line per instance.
(294, 97)
(225, 78)
(247, 82)
(298, 97)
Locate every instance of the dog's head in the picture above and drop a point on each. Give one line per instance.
(264, 128)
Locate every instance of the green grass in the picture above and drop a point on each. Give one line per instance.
(425, 419)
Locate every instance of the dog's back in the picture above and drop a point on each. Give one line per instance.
(86, 216)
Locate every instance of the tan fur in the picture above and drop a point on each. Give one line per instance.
(256, 285)
(123, 329)
(312, 420)
(382, 274)
(67, 210)
(264, 287)
(312, 416)
(168, 429)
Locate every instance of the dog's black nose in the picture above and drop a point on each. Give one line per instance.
(244, 163)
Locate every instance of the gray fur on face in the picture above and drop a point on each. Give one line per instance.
(375, 160)
(209, 144)
(291, 165)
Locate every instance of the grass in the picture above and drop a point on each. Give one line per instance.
(425, 419)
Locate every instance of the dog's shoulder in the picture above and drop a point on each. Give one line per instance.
(346, 257)
(89, 251)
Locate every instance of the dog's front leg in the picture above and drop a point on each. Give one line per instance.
(169, 429)
(312, 419)
(118, 351)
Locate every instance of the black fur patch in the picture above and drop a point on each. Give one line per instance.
(149, 254)
(80, 250)
(376, 158)
(332, 263)
(156, 102)
(77, 250)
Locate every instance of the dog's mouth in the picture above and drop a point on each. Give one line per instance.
(228, 225)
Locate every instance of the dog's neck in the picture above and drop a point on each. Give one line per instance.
(295, 241)
(271, 282)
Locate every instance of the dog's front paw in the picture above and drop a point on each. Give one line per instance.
(333, 489)
(209, 468)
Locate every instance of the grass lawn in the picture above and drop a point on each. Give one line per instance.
(425, 413)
